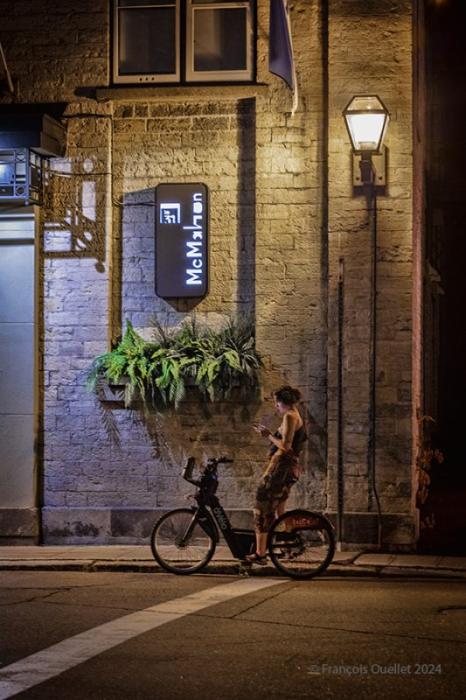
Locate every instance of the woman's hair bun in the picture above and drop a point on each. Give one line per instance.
(287, 395)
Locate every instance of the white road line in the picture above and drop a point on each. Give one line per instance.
(60, 657)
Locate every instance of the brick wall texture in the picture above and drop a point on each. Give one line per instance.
(282, 214)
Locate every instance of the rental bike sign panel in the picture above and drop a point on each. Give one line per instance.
(181, 252)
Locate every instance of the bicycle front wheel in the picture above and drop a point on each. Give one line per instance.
(301, 544)
(179, 544)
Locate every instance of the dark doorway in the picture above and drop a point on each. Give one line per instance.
(445, 287)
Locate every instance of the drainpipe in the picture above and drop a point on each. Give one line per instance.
(340, 431)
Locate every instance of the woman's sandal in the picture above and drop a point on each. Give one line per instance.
(256, 559)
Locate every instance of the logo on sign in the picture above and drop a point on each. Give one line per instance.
(194, 245)
(170, 213)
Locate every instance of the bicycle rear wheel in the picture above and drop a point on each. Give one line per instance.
(301, 544)
(179, 544)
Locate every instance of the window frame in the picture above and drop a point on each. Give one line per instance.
(152, 78)
(244, 75)
(185, 74)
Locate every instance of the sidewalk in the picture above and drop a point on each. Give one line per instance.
(131, 558)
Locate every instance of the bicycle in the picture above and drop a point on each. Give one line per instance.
(300, 543)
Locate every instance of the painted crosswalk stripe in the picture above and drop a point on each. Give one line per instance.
(60, 657)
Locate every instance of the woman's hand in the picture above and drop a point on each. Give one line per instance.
(261, 429)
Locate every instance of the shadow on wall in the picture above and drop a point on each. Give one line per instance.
(74, 211)
(246, 207)
(134, 272)
(199, 429)
(202, 429)
(133, 281)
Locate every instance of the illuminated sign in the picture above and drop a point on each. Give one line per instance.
(181, 254)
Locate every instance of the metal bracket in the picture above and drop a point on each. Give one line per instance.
(379, 162)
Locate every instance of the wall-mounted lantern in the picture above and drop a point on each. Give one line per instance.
(366, 119)
(20, 176)
(26, 139)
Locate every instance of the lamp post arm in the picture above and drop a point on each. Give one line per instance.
(367, 169)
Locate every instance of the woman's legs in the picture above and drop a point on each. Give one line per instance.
(270, 503)
(263, 517)
(265, 513)
(261, 543)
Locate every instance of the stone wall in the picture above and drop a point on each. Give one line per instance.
(281, 215)
(55, 47)
(105, 468)
(370, 52)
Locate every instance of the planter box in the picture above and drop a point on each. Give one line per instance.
(109, 392)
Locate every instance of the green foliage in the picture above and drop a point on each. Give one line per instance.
(214, 361)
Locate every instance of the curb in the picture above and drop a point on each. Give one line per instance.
(229, 568)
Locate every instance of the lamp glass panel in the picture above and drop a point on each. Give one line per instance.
(365, 103)
(366, 130)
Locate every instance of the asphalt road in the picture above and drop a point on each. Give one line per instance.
(328, 638)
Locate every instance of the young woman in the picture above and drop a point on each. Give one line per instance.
(282, 470)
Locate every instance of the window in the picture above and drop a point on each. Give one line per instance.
(182, 41)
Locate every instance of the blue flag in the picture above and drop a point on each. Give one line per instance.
(281, 61)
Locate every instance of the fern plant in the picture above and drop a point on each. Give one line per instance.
(215, 361)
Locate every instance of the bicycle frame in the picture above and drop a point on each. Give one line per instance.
(211, 516)
(240, 541)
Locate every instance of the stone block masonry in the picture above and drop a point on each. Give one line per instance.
(383, 69)
(281, 215)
